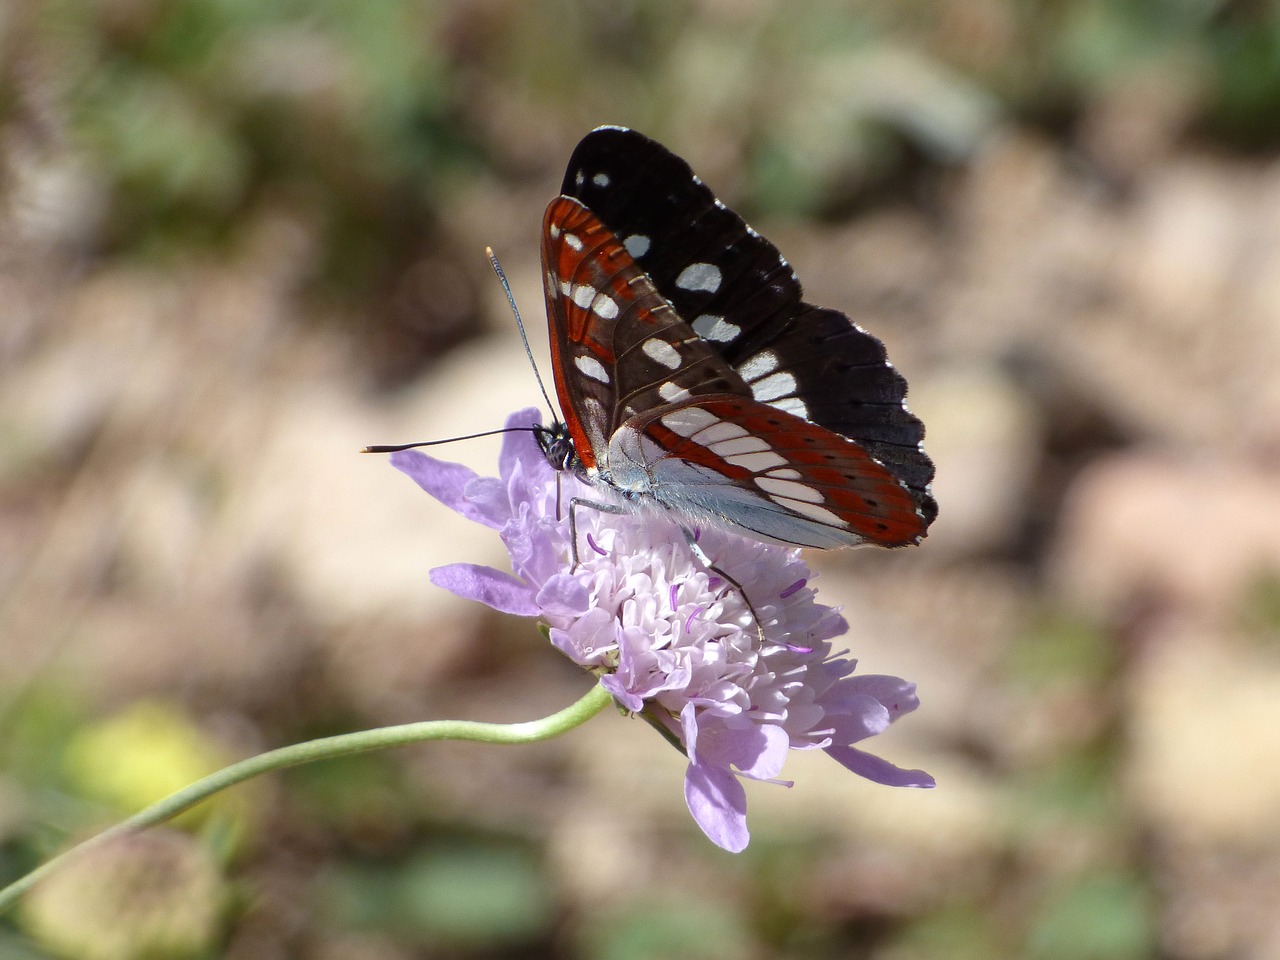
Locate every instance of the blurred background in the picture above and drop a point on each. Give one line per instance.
(241, 239)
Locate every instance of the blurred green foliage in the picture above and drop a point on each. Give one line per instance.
(1260, 609)
(360, 116)
(1100, 916)
(959, 932)
(475, 894)
(694, 929)
(1059, 648)
(198, 112)
(78, 774)
(146, 752)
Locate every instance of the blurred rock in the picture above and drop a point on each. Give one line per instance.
(1191, 532)
(158, 893)
(1204, 741)
(1220, 904)
(356, 536)
(1135, 122)
(984, 437)
(1186, 240)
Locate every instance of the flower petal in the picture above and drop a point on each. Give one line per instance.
(494, 588)
(564, 596)
(879, 770)
(516, 447)
(718, 803)
(443, 480)
(897, 695)
(767, 755)
(488, 498)
(858, 718)
(589, 639)
(628, 700)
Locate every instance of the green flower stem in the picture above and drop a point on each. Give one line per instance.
(324, 749)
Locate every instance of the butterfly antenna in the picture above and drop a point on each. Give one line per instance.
(396, 447)
(506, 288)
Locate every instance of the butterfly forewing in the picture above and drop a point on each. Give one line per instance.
(619, 349)
(725, 279)
(741, 296)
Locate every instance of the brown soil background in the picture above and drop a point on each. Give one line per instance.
(1088, 312)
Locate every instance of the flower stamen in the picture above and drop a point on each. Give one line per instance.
(689, 619)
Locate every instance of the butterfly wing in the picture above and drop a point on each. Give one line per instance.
(658, 414)
(737, 462)
(742, 297)
(618, 348)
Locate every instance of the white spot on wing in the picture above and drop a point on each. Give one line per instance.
(637, 245)
(578, 178)
(699, 276)
(600, 179)
(584, 296)
(672, 392)
(756, 367)
(721, 431)
(755, 462)
(739, 445)
(554, 230)
(792, 405)
(712, 327)
(688, 421)
(661, 351)
(604, 306)
(774, 386)
(815, 512)
(789, 489)
(591, 367)
(573, 240)
(789, 473)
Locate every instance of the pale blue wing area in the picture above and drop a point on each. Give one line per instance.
(641, 471)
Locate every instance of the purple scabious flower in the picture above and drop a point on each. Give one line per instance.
(669, 638)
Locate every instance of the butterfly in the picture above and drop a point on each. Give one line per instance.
(694, 378)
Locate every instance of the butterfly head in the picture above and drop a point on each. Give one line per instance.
(557, 447)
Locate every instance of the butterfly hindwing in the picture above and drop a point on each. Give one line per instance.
(771, 473)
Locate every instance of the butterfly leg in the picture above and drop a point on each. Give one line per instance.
(701, 554)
